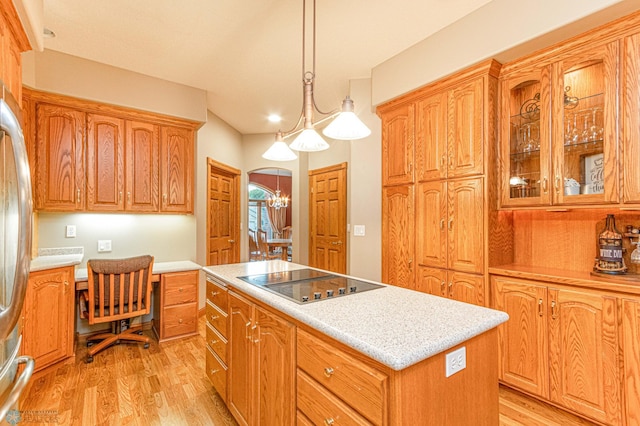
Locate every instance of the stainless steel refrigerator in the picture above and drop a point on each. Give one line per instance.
(15, 246)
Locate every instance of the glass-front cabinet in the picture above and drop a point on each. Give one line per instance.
(561, 123)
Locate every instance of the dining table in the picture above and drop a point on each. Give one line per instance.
(283, 243)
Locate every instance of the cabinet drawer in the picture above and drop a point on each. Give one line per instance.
(350, 379)
(218, 295)
(179, 320)
(180, 288)
(321, 407)
(217, 319)
(217, 374)
(217, 343)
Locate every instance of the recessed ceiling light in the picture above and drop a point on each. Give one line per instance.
(274, 118)
(47, 33)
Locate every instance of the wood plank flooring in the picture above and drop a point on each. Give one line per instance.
(166, 385)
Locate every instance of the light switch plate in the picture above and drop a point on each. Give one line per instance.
(358, 230)
(70, 231)
(455, 361)
(104, 246)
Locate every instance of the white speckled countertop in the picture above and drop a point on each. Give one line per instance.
(49, 258)
(158, 268)
(395, 326)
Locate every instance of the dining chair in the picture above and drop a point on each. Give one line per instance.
(118, 290)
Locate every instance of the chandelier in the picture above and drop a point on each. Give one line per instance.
(278, 201)
(346, 126)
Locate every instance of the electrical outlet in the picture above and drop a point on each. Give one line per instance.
(455, 361)
(70, 231)
(358, 230)
(104, 246)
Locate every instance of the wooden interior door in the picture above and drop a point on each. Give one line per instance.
(223, 214)
(328, 218)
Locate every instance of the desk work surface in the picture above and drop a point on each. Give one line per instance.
(56, 258)
(158, 268)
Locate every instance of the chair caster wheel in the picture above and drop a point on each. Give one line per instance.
(89, 360)
(139, 332)
(89, 344)
(146, 346)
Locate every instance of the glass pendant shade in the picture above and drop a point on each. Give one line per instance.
(347, 125)
(310, 141)
(279, 151)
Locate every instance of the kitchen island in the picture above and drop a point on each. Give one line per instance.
(376, 357)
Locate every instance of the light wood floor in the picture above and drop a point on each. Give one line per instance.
(166, 385)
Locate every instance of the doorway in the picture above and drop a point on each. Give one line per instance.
(328, 218)
(270, 214)
(223, 213)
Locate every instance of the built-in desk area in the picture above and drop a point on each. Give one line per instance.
(50, 314)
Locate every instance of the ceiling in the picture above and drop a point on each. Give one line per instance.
(247, 54)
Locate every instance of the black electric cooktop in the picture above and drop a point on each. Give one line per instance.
(308, 285)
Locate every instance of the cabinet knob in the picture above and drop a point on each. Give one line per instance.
(214, 293)
(212, 372)
(232, 241)
(328, 371)
(328, 421)
(214, 317)
(66, 282)
(213, 342)
(180, 321)
(180, 289)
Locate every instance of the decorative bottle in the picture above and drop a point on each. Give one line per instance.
(610, 259)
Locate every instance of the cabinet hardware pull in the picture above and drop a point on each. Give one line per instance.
(213, 372)
(450, 288)
(442, 284)
(539, 307)
(450, 223)
(214, 293)
(120, 196)
(231, 241)
(410, 166)
(557, 184)
(256, 341)
(78, 195)
(66, 282)
(553, 309)
(129, 197)
(214, 317)
(328, 422)
(545, 185)
(443, 160)
(247, 330)
(213, 342)
(442, 223)
(328, 371)
(164, 198)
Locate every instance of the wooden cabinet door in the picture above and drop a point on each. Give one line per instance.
(59, 184)
(466, 225)
(431, 224)
(431, 138)
(465, 130)
(583, 353)
(105, 163)
(142, 171)
(522, 340)
(584, 92)
(432, 281)
(176, 166)
(398, 235)
(240, 359)
(275, 370)
(48, 316)
(466, 288)
(631, 120)
(631, 359)
(398, 145)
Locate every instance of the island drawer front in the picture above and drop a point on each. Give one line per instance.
(302, 420)
(217, 319)
(218, 295)
(321, 407)
(180, 288)
(350, 379)
(217, 343)
(179, 320)
(217, 374)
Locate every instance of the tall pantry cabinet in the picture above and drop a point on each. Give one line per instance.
(437, 188)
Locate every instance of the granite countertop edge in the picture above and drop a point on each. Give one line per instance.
(402, 327)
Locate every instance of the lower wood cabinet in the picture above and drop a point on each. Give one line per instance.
(48, 316)
(468, 288)
(561, 344)
(217, 335)
(631, 359)
(261, 365)
(175, 305)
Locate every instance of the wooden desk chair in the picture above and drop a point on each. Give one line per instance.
(118, 289)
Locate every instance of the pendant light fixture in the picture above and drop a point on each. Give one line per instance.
(278, 201)
(346, 126)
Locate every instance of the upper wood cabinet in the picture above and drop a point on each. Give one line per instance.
(176, 165)
(431, 137)
(465, 129)
(559, 130)
(631, 119)
(397, 145)
(59, 148)
(13, 41)
(107, 159)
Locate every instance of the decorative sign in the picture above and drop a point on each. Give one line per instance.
(594, 173)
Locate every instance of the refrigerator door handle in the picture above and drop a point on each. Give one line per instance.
(21, 382)
(10, 314)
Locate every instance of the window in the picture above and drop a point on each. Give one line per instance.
(258, 217)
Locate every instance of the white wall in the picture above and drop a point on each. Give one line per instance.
(501, 29)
